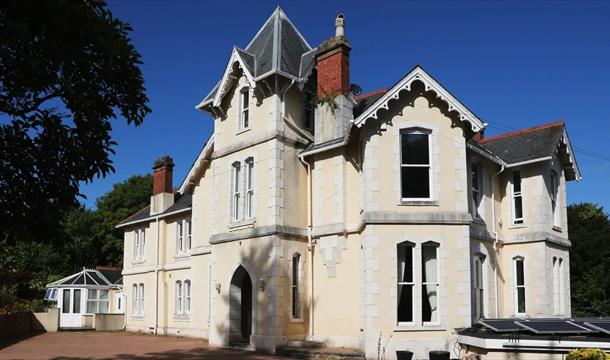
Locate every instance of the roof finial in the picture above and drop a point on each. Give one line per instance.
(340, 25)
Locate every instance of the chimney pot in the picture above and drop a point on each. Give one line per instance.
(340, 25)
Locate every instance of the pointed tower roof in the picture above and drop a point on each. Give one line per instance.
(277, 48)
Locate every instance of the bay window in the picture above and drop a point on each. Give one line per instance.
(182, 298)
(415, 171)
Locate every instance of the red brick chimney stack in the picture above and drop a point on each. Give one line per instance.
(162, 175)
(333, 63)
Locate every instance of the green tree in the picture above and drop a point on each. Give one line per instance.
(125, 199)
(67, 68)
(589, 259)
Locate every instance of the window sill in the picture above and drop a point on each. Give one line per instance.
(297, 320)
(404, 202)
(517, 226)
(557, 228)
(406, 328)
(241, 131)
(137, 317)
(138, 262)
(242, 223)
(182, 318)
(182, 256)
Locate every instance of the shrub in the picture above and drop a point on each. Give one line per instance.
(587, 354)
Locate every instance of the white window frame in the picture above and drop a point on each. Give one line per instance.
(479, 300)
(296, 311)
(477, 204)
(516, 286)
(517, 194)
(141, 298)
(554, 179)
(178, 309)
(244, 108)
(249, 188)
(139, 244)
(235, 191)
(562, 288)
(417, 131)
(188, 242)
(135, 301)
(179, 237)
(187, 296)
(97, 300)
(406, 283)
(436, 246)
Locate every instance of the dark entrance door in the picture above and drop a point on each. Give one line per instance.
(240, 307)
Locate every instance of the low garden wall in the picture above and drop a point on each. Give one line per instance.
(109, 322)
(22, 323)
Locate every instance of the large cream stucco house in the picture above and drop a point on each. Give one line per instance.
(317, 213)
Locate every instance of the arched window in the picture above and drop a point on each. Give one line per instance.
(405, 282)
(178, 295)
(187, 296)
(235, 190)
(249, 188)
(295, 286)
(135, 300)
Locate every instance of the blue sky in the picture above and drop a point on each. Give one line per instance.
(516, 65)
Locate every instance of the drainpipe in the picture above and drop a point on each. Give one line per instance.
(310, 247)
(157, 279)
(495, 231)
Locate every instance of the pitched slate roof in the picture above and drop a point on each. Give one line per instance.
(277, 48)
(181, 202)
(526, 144)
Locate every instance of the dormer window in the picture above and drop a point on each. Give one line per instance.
(244, 108)
(415, 172)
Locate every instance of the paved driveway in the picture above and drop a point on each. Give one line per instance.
(117, 345)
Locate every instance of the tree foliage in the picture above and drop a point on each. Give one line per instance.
(589, 228)
(67, 68)
(88, 238)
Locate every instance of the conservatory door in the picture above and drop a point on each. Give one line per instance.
(71, 307)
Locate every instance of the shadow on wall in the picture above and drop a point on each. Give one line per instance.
(248, 304)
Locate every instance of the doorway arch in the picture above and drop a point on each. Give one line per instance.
(240, 306)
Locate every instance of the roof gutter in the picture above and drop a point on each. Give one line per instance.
(330, 147)
(532, 161)
(491, 157)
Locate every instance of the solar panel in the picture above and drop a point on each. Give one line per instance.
(602, 326)
(500, 325)
(552, 327)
